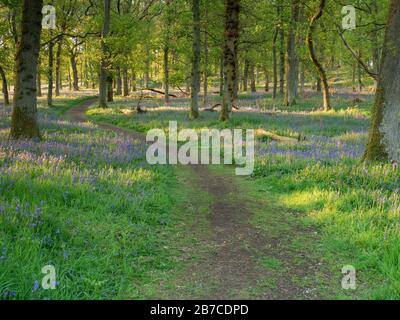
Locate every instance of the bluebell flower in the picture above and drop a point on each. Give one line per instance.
(36, 286)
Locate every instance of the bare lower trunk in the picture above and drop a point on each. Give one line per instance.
(24, 122)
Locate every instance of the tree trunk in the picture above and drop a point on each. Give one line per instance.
(118, 82)
(266, 79)
(39, 79)
(221, 76)
(5, 86)
(58, 67)
(110, 89)
(302, 80)
(384, 142)
(125, 81)
(104, 56)
(281, 51)
(206, 56)
(194, 112)
(253, 78)
(24, 122)
(374, 39)
(50, 75)
(133, 81)
(246, 75)
(75, 76)
(310, 45)
(275, 63)
(147, 67)
(231, 38)
(291, 57)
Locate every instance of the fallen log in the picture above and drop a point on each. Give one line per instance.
(161, 92)
(261, 133)
(212, 109)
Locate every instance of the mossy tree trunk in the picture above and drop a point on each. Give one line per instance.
(231, 39)
(384, 136)
(24, 123)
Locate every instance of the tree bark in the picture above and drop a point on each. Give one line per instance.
(75, 76)
(221, 76)
(50, 75)
(206, 56)
(104, 55)
(58, 67)
(291, 57)
(281, 51)
(118, 82)
(253, 78)
(246, 75)
(5, 86)
(194, 112)
(231, 39)
(383, 142)
(24, 123)
(275, 64)
(125, 81)
(317, 64)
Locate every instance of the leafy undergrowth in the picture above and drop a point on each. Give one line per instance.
(84, 201)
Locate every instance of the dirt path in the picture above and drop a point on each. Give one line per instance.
(236, 260)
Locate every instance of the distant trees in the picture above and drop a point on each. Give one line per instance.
(384, 135)
(24, 123)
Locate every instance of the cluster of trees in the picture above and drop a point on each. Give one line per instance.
(194, 46)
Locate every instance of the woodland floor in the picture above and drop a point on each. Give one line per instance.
(232, 258)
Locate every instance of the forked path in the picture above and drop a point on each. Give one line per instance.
(235, 258)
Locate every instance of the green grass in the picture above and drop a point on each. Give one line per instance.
(76, 201)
